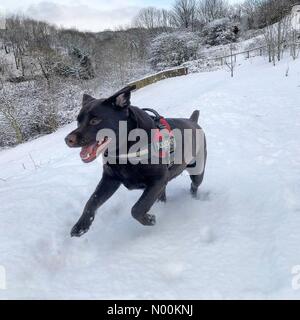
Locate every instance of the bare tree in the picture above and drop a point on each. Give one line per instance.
(276, 34)
(250, 10)
(232, 62)
(15, 40)
(152, 18)
(294, 46)
(185, 14)
(271, 11)
(10, 112)
(276, 37)
(213, 9)
(148, 18)
(167, 19)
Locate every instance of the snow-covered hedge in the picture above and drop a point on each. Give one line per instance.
(202, 65)
(173, 49)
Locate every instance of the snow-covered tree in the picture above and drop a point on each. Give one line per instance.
(221, 31)
(173, 49)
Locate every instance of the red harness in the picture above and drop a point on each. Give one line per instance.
(163, 139)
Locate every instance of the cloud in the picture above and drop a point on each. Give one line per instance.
(92, 15)
(82, 16)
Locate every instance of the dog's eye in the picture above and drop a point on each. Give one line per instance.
(95, 121)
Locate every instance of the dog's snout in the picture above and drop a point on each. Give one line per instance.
(71, 140)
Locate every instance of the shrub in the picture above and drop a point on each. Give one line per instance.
(173, 49)
(221, 31)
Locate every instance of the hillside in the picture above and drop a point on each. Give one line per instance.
(239, 240)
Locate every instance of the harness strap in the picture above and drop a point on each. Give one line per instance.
(161, 124)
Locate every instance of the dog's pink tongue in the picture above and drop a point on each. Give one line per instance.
(87, 152)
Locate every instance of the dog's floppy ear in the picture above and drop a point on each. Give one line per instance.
(121, 99)
(86, 99)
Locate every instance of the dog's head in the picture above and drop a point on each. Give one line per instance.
(96, 115)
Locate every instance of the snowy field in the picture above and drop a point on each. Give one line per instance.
(240, 240)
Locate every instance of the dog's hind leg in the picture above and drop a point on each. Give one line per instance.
(196, 182)
(196, 170)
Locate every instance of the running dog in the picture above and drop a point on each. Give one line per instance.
(98, 114)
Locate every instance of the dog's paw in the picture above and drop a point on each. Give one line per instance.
(148, 220)
(194, 192)
(81, 227)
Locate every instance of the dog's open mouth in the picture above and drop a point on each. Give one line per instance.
(90, 153)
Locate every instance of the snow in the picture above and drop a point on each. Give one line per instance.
(240, 239)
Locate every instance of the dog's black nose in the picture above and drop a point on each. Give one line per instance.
(71, 140)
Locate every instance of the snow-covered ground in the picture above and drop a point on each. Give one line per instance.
(241, 239)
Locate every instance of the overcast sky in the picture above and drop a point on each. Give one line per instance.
(92, 15)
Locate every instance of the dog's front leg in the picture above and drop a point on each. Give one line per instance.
(105, 189)
(144, 204)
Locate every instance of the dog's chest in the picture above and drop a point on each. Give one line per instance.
(134, 185)
(130, 176)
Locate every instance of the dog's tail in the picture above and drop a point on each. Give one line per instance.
(195, 116)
